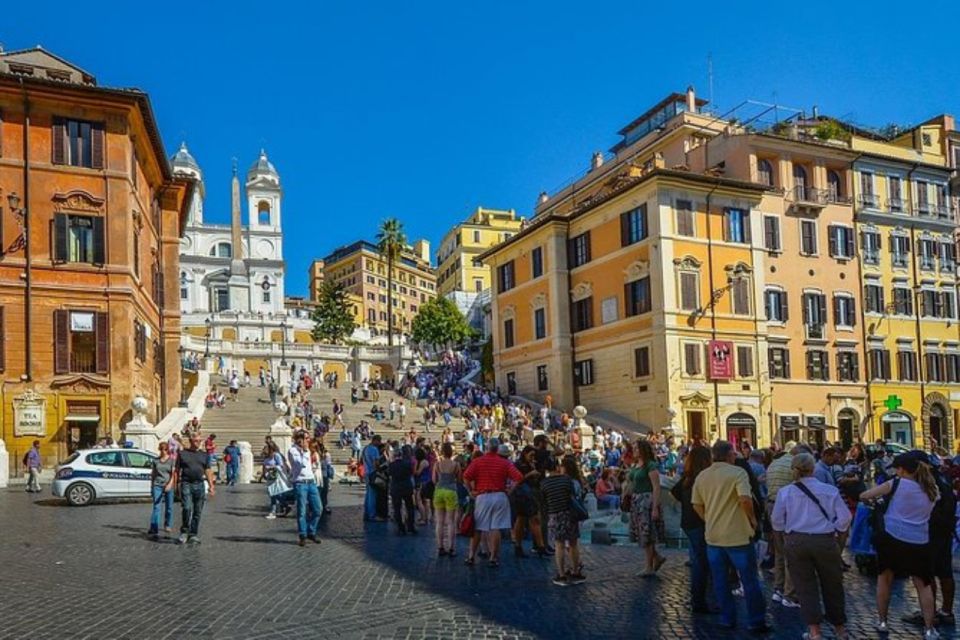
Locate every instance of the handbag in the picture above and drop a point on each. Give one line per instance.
(467, 523)
(877, 524)
(279, 485)
(378, 480)
(578, 510)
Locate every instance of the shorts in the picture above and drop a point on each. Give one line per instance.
(492, 512)
(445, 499)
(904, 558)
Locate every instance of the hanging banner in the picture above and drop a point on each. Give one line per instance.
(721, 359)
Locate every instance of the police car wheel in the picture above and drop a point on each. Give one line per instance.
(80, 494)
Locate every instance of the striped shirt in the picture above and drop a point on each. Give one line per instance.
(779, 475)
(490, 473)
(557, 491)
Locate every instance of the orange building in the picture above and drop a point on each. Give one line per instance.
(91, 222)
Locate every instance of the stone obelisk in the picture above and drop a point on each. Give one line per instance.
(239, 282)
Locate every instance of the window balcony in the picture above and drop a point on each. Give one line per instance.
(868, 201)
(896, 205)
(871, 256)
(815, 332)
(928, 263)
(807, 199)
(898, 259)
(83, 362)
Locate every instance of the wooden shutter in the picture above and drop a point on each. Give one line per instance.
(644, 229)
(97, 145)
(837, 318)
(745, 222)
(624, 229)
(59, 140)
(628, 299)
(822, 301)
(61, 341)
(571, 253)
(834, 244)
(786, 363)
(586, 241)
(99, 241)
(848, 242)
(60, 248)
(782, 298)
(103, 342)
(852, 312)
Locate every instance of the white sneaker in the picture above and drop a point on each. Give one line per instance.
(738, 592)
(777, 596)
(882, 627)
(788, 603)
(931, 634)
(271, 516)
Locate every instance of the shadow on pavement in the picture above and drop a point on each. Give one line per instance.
(258, 539)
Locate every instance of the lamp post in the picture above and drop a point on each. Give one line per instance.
(183, 382)
(206, 351)
(283, 342)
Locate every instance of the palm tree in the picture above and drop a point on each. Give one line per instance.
(391, 241)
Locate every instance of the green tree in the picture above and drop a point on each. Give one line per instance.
(440, 323)
(486, 362)
(390, 242)
(332, 318)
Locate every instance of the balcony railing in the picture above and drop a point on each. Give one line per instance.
(83, 362)
(896, 205)
(928, 263)
(871, 256)
(868, 201)
(802, 194)
(898, 259)
(815, 332)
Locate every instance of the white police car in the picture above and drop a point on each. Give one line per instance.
(89, 474)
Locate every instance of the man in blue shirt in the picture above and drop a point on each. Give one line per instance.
(372, 501)
(824, 468)
(231, 456)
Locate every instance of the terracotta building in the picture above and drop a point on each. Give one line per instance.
(91, 222)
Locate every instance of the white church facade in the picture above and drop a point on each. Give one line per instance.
(233, 267)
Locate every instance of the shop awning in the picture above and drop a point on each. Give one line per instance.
(82, 418)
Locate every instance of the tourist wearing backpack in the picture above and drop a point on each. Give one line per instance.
(943, 522)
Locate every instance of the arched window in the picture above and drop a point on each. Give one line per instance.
(799, 177)
(834, 185)
(263, 212)
(765, 172)
(222, 250)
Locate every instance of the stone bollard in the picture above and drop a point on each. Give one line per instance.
(4, 465)
(246, 462)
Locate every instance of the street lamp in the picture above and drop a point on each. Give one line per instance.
(183, 381)
(206, 351)
(283, 342)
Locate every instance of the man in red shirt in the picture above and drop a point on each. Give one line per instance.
(486, 478)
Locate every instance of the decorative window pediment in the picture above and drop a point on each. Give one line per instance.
(637, 270)
(509, 312)
(688, 263)
(581, 291)
(539, 300)
(77, 200)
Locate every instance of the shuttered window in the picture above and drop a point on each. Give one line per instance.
(873, 298)
(736, 225)
(633, 226)
(818, 365)
(78, 239)
(583, 314)
(540, 324)
(641, 362)
(637, 296)
(779, 362)
(543, 381)
(740, 297)
(81, 342)
(691, 358)
(507, 333)
(906, 366)
(848, 367)
(775, 305)
(879, 361)
(583, 372)
(808, 237)
(579, 250)
(771, 233)
(505, 279)
(78, 143)
(744, 361)
(686, 219)
(536, 262)
(844, 311)
(689, 291)
(841, 241)
(934, 367)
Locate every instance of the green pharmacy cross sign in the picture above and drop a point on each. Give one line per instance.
(892, 402)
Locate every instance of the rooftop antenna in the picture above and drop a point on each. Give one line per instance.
(710, 78)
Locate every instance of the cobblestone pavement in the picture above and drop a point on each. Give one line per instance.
(90, 573)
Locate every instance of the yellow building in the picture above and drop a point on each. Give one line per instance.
(315, 279)
(907, 229)
(456, 266)
(363, 272)
(635, 290)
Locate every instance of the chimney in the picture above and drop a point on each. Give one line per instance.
(543, 197)
(816, 112)
(596, 161)
(691, 100)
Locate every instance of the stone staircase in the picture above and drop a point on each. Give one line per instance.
(250, 417)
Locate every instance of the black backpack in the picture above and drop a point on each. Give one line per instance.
(943, 518)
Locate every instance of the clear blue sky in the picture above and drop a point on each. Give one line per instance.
(424, 110)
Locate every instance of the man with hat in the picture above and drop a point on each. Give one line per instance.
(486, 478)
